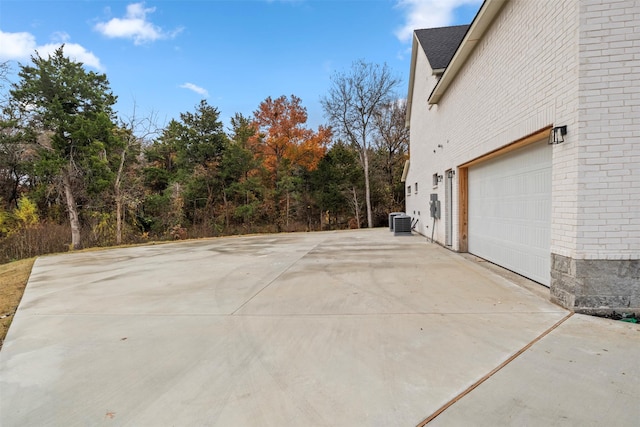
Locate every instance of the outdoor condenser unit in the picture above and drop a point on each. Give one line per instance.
(402, 225)
(391, 216)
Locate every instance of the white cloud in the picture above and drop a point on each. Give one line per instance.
(21, 46)
(427, 14)
(134, 26)
(197, 89)
(73, 51)
(60, 36)
(16, 46)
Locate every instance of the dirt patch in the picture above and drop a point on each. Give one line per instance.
(13, 280)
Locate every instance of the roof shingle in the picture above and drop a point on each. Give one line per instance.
(440, 44)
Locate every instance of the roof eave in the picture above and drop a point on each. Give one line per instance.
(405, 170)
(481, 23)
(414, 47)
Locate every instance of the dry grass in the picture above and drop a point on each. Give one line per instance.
(13, 280)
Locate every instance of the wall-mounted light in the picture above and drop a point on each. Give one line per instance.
(557, 134)
(439, 178)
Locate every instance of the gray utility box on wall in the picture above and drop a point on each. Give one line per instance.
(434, 206)
(391, 216)
(402, 225)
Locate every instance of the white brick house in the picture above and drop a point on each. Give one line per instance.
(566, 215)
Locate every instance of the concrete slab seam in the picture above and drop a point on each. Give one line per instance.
(492, 372)
(273, 280)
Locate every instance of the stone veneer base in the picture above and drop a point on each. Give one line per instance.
(597, 287)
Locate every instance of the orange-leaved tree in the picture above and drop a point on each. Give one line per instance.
(286, 148)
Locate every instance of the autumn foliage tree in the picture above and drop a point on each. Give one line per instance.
(286, 147)
(64, 152)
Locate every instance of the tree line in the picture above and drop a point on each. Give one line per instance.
(74, 174)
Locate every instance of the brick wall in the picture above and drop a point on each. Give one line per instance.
(542, 63)
(422, 145)
(608, 196)
(521, 77)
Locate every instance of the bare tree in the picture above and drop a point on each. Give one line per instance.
(13, 145)
(5, 70)
(134, 131)
(351, 105)
(392, 142)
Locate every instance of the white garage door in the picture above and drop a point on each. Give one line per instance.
(510, 211)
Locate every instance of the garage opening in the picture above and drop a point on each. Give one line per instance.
(508, 208)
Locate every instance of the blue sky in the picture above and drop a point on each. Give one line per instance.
(164, 56)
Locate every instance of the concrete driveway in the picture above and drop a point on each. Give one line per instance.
(350, 328)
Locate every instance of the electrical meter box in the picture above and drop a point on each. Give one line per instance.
(434, 206)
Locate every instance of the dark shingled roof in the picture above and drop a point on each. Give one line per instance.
(440, 44)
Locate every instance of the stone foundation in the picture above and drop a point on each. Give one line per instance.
(596, 286)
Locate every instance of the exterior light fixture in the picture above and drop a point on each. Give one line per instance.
(557, 134)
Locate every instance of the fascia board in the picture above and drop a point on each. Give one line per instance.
(481, 23)
(412, 72)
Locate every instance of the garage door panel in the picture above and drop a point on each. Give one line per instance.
(516, 258)
(510, 211)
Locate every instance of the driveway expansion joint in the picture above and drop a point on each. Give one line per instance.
(493, 372)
